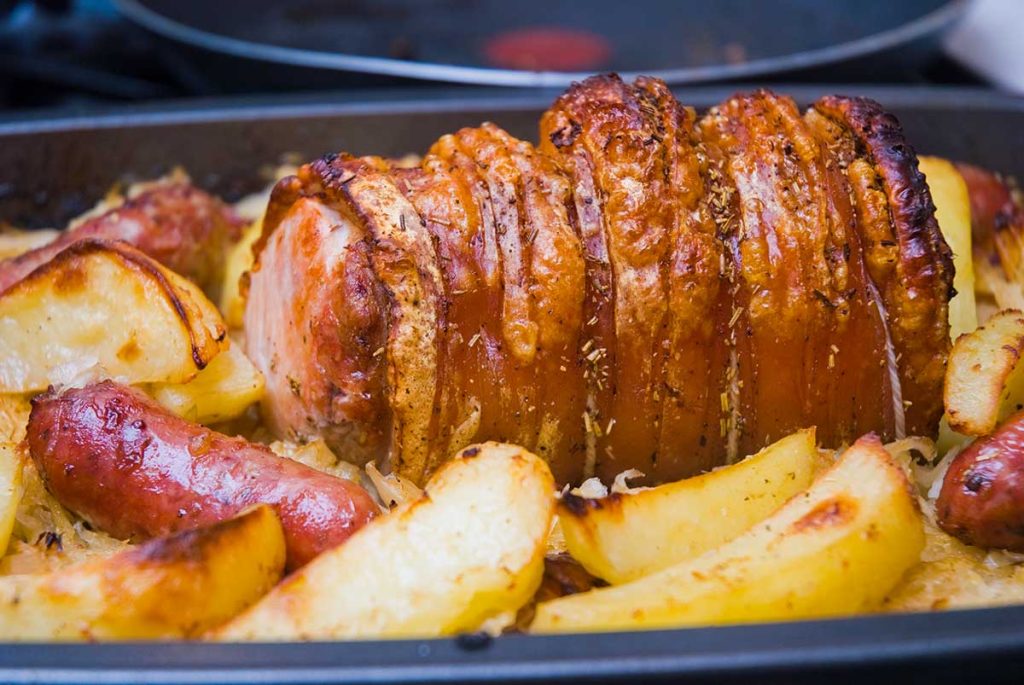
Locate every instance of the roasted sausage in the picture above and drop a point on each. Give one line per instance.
(172, 221)
(995, 202)
(982, 497)
(997, 218)
(127, 466)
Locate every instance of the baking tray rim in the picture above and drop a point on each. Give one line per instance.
(989, 635)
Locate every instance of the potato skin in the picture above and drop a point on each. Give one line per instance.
(134, 470)
(982, 497)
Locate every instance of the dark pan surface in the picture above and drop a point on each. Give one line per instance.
(980, 646)
(50, 169)
(546, 42)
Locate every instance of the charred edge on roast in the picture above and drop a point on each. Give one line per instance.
(880, 139)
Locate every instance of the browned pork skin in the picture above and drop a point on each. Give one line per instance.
(652, 304)
(642, 291)
(907, 258)
(512, 329)
(804, 318)
(172, 221)
(478, 336)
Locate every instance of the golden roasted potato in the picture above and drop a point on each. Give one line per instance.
(239, 261)
(177, 586)
(220, 392)
(836, 549)
(953, 213)
(102, 308)
(12, 460)
(470, 548)
(984, 381)
(622, 537)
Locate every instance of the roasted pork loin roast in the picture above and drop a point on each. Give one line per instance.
(645, 289)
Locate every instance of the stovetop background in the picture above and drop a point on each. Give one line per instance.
(80, 55)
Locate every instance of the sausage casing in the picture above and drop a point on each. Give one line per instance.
(136, 471)
(982, 497)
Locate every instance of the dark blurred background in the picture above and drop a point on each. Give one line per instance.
(83, 55)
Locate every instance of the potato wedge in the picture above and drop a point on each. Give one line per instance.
(625, 536)
(836, 549)
(12, 461)
(953, 213)
(472, 547)
(103, 308)
(984, 379)
(239, 261)
(220, 392)
(177, 586)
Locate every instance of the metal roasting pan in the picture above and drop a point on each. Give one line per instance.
(316, 43)
(51, 168)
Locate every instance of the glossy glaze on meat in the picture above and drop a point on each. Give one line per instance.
(644, 289)
(803, 317)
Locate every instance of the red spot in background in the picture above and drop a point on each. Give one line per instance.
(547, 49)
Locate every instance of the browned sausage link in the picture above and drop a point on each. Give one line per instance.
(995, 201)
(982, 497)
(997, 218)
(175, 223)
(113, 456)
